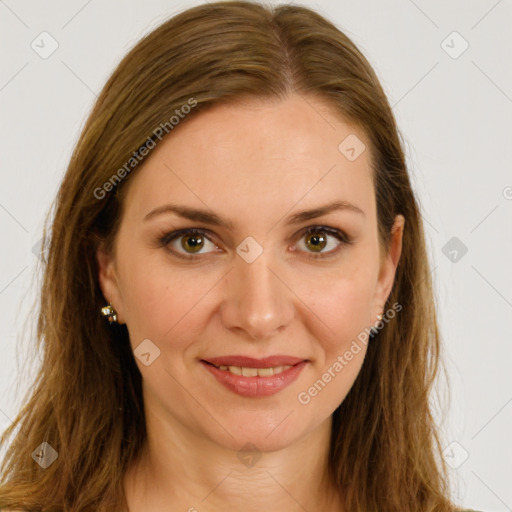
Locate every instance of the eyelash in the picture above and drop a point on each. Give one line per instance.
(343, 238)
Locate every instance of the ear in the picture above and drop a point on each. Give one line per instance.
(108, 281)
(388, 265)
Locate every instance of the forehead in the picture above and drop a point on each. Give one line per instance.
(257, 156)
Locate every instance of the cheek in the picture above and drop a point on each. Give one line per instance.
(339, 302)
(161, 301)
(340, 350)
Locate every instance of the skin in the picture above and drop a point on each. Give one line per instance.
(254, 164)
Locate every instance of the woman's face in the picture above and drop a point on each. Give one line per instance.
(251, 282)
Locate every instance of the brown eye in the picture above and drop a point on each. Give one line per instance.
(187, 243)
(316, 241)
(192, 243)
(323, 241)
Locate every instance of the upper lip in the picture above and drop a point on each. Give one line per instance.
(251, 362)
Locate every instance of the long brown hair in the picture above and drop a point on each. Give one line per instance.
(87, 402)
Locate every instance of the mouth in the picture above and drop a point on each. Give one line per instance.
(251, 377)
(251, 362)
(252, 372)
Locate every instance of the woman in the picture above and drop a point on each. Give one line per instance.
(237, 307)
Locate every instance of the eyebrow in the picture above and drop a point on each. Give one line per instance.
(209, 217)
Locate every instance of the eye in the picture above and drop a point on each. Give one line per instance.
(187, 243)
(317, 238)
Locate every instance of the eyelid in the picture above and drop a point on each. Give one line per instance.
(342, 237)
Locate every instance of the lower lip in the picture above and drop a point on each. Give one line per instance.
(255, 386)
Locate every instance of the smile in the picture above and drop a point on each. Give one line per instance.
(253, 382)
(253, 372)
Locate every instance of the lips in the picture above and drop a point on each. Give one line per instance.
(250, 362)
(250, 377)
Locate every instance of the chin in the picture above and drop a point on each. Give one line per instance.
(266, 431)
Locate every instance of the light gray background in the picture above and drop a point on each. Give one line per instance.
(455, 112)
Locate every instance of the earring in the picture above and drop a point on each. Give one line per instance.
(110, 313)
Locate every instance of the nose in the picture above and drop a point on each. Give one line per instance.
(257, 301)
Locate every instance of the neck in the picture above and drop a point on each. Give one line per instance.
(182, 470)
